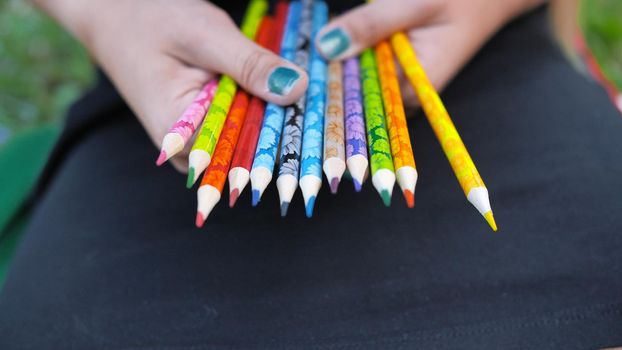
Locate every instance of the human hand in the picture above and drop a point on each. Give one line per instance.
(444, 33)
(160, 53)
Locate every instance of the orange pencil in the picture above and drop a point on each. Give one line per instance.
(215, 176)
(401, 148)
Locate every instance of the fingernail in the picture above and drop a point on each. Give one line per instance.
(282, 80)
(334, 43)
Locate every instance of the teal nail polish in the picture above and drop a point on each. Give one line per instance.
(282, 80)
(334, 43)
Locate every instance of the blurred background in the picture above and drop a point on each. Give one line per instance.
(43, 70)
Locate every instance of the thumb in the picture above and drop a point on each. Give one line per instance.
(256, 69)
(366, 25)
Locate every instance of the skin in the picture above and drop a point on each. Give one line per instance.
(159, 53)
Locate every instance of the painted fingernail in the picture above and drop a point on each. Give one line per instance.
(282, 80)
(334, 42)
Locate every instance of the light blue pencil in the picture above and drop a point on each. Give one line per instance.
(313, 129)
(272, 127)
(291, 145)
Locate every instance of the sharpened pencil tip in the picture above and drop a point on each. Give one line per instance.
(357, 186)
(491, 220)
(200, 220)
(284, 207)
(309, 207)
(410, 198)
(334, 185)
(190, 180)
(256, 197)
(386, 198)
(161, 158)
(233, 197)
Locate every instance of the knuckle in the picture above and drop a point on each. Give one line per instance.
(251, 67)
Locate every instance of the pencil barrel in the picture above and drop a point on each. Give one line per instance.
(356, 142)
(437, 115)
(216, 173)
(313, 127)
(377, 134)
(401, 147)
(334, 144)
(291, 143)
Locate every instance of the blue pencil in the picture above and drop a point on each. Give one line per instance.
(271, 129)
(313, 129)
(289, 167)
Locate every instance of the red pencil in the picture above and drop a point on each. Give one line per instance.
(269, 36)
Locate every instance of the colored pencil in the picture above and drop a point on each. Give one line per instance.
(334, 143)
(356, 143)
(245, 150)
(183, 129)
(457, 154)
(381, 161)
(215, 176)
(205, 143)
(272, 127)
(401, 148)
(291, 144)
(313, 127)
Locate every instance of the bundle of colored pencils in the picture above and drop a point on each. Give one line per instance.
(351, 118)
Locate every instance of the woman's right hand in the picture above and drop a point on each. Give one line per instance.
(160, 53)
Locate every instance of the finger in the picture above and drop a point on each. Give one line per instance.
(364, 26)
(223, 48)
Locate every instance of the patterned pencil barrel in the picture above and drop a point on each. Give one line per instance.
(215, 176)
(181, 132)
(239, 174)
(313, 127)
(334, 144)
(205, 143)
(444, 129)
(203, 148)
(272, 127)
(401, 148)
(356, 142)
(291, 143)
(381, 161)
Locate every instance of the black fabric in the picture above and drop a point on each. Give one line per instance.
(111, 259)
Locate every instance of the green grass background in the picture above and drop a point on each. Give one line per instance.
(601, 21)
(42, 69)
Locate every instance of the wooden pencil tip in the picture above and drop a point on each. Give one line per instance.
(410, 198)
(491, 220)
(162, 158)
(233, 197)
(200, 220)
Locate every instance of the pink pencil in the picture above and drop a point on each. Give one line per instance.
(183, 129)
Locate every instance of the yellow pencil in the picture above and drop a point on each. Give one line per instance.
(457, 154)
